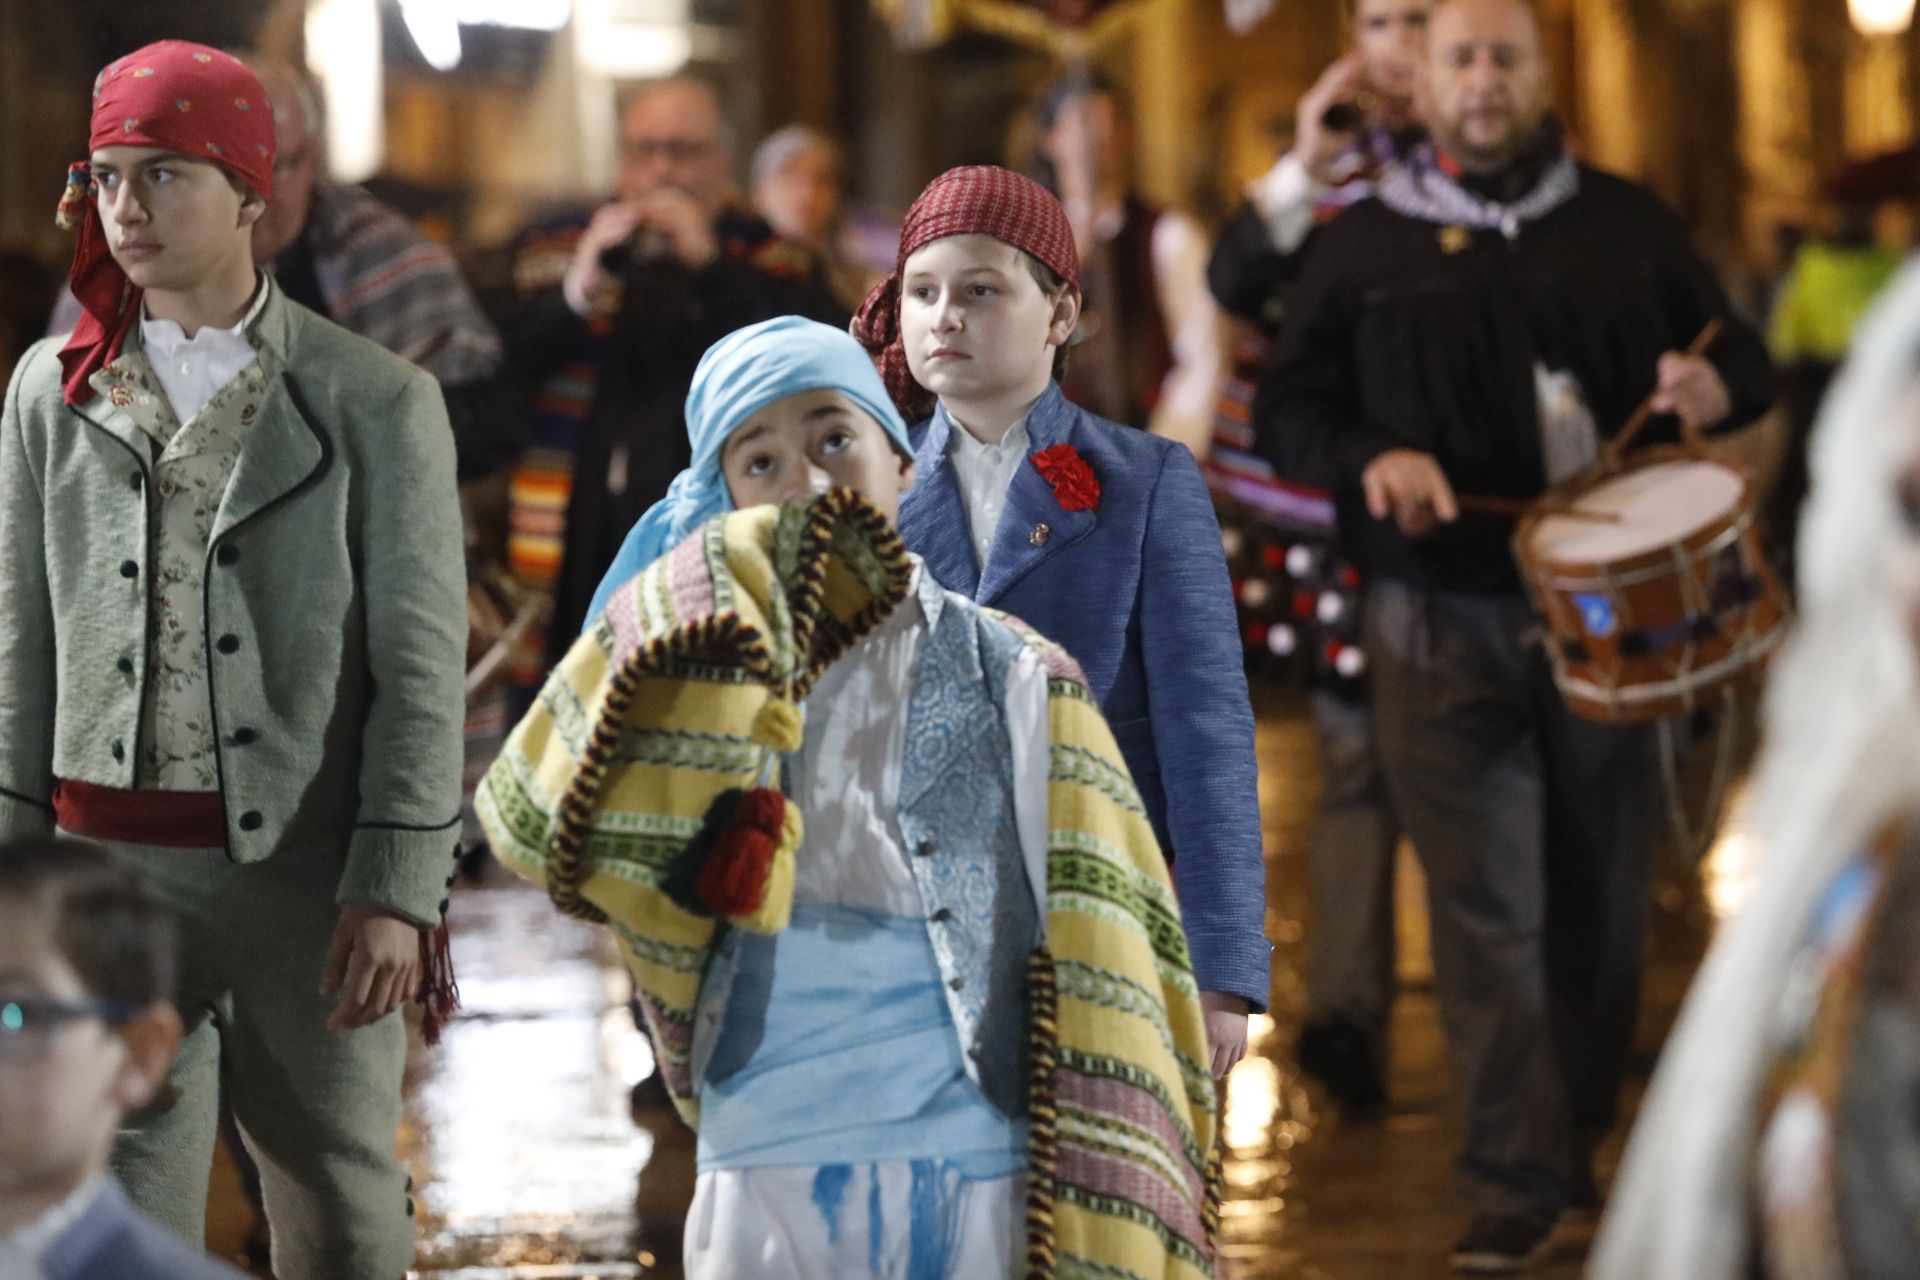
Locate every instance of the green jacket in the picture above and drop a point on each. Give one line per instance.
(335, 609)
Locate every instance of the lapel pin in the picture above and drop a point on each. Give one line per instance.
(1039, 535)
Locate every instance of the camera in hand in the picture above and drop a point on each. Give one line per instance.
(645, 245)
(1343, 117)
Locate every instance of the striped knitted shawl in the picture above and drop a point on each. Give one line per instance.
(663, 704)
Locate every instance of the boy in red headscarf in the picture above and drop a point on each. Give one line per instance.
(1101, 537)
(232, 630)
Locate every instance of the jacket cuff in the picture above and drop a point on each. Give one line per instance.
(1233, 963)
(20, 816)
(406, 870)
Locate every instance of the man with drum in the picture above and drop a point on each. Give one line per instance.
(1476, 329)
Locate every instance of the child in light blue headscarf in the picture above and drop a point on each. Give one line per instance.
(761, 377)
(862, 1107)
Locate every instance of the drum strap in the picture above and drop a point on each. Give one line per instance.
(1692, 837)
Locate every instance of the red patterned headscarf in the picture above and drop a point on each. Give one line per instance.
(976, 200)
(175, 96)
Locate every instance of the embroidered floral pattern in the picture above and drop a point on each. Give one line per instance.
(1075, 487)
(194, 463)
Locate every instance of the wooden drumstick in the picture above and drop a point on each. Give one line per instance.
(1517, 507)
(1618, 445)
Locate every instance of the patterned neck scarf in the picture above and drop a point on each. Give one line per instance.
(976, 200)
(1427, 187)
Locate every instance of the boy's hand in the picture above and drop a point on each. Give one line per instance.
(373, 964)
(1226, 1029)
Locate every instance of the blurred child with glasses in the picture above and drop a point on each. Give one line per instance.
(87, 1033)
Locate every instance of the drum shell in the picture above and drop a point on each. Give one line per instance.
(1717, 574)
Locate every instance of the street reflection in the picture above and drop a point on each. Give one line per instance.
(1728, 872)
(526, 1151)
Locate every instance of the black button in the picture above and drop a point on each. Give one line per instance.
(957, 983)
(452, 878)
(139, 481)
(251, 820)
(925, 849)
(942, 916)
(227, 554)
(228, 643)
(244, 737)
(119, 749)
(409, 1206)
(128, 569)
(125, 666)
(444, 904)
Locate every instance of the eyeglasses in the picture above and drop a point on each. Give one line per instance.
(29, 1023)
(677, 150)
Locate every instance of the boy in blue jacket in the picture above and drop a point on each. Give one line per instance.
(1101, 537)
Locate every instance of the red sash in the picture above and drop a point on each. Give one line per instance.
(171, 819)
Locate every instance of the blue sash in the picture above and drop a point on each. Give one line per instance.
(838, 1047)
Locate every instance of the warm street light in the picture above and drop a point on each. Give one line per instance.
(1881, 17)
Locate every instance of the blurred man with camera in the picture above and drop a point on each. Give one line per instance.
(613, 311)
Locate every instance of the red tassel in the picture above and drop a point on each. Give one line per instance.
(439, 993)
(732, 881)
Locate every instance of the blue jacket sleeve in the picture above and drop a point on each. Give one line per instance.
(1203, 734)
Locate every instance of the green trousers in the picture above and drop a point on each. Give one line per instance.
(319, 1110)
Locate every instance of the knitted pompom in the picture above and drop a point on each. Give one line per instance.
(743, 860)
(776, 906)
(779, 724)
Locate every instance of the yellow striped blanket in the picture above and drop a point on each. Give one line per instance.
(679, 692)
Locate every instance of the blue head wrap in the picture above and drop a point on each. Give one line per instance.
(740, 375)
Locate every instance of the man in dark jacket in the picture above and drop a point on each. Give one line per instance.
(1477, 327)
(614, 312)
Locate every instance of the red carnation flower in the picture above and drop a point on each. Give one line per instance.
(1073, 482)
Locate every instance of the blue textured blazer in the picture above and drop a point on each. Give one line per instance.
(1137, 591)
(111, 1241)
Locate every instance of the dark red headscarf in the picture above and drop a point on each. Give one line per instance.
(179, 97)
(979, 199)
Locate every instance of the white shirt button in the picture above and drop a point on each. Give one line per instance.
(186, 366)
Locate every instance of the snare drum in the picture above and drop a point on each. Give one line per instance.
(1656, 593)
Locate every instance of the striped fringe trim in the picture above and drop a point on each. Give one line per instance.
(567, 865)
(1043, 1039)
(727, 638)
(1216, 1182)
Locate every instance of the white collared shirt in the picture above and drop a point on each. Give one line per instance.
(985, 471)
(193, 370)
(22, 1248)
